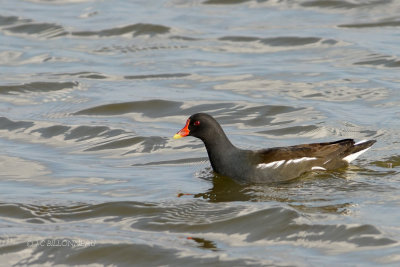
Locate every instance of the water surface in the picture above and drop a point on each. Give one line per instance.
(91, 93)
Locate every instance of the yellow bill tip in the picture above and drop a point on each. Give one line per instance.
(177, 136)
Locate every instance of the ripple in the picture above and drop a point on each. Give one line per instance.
(108, 253)
(52, 131)
(224, 2)
(84, 75)
(142, 144)
(283, 226)
(37, 87)
(56, 213)
(156, 108)
(9, 125)
(19, 26)
(383, 23)
(92, 138)
(10, 20)
(85, 211)
(391, 162)
(290, 41)
(185, 161)
(211, 226)
(81, 133)
(223, 189)
(78, 133)
(41, 30)
(151, 108)
(184, 38)
(134, 30)
(136, 48)
(259, 115)
(156, 76)
(18, 169)
(280, 41)
(344, 4)
(380, 60)
(332, 91)
(124, 78)
(294, 130)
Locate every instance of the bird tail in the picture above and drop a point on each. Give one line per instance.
(357, 149)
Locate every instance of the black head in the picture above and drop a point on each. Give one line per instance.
(200, 125)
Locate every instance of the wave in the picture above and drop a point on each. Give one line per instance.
(155, 108)
(224, 2)
(280, 41)
(380, 60)
(37, 87)
(21, 26)
(199, 218)
(391, 22)
(344, 4)
(93, 138)
(134, 30)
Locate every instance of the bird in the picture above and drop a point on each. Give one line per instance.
(276, 164)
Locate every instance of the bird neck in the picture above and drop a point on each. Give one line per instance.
(219, 149)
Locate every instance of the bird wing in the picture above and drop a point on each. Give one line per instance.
(322, 151)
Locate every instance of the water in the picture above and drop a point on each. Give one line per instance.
(92, 92)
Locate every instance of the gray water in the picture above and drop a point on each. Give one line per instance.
(91, 93)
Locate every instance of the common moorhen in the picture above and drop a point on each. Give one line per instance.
(272, 164)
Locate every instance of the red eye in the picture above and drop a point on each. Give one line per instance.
(196, 123)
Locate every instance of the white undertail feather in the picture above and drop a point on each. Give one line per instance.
(353, 156)
(360, 142)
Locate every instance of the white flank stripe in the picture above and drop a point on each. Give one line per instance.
(353, 156)
(360, 142)
(274, 164)
(318, 168)
(299, 160)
